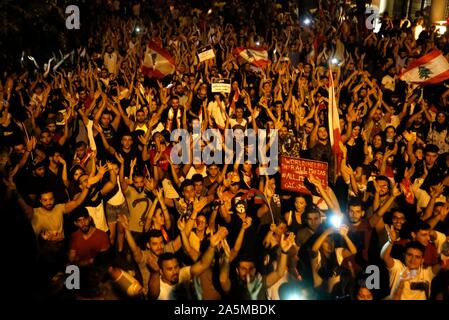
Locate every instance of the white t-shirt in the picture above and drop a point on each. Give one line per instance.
(423, 278)
(98, 216)
(167, 291)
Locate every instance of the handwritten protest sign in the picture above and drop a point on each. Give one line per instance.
(295, 171)
(221, 85)
(206, 53)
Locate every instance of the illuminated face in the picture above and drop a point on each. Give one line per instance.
(139, 183)
(247, 166)
(140, 116)
(83, 224)
(213, 171)
(422, 236)
(82, 181)
(377, 142)
(78, 173)
(189, 193)
(431, 157)
(364, 294)
(322, 133)
(377, 116)
(51, 127)
(313, 220)
(175, 103)
(105, 119)
(201, 223)
(398, 220)
(47, 201)
(419, 154)
(390, 133)
(116, 168)
(45, 138)
(300, 204)
(156, 245)
(127, 142)
(170, 271)
(245, 269)
(413, 258)
(239, 113)
(81, 151)
(198, 186)
(356, 214)
(355, 131)
(308, 128)
(441, 118)
(158, 217)
(383, 186)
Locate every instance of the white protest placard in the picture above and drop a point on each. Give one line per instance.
(221, 85)
(206, 53)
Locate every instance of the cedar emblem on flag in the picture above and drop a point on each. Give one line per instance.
(430, 68)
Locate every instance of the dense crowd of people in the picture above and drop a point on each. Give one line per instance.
(88, 177)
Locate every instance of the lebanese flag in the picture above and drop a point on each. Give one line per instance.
(333, 118)
(157, 62)
(431, 68)
(257, 57)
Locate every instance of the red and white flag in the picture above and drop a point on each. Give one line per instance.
(333, 118)
(431, 68)
(257, 57)
(157, 62)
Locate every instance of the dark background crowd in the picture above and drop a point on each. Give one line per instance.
(87, 178)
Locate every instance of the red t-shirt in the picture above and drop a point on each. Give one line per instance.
(88, 248)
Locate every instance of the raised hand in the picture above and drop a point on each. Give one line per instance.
(119, 158)
(133, 162)
(436, 190)
(392, 236)
(287, 242)
(396, 191)
(181, 224)
(247, 223)
(315, 181)
(217, 237)
(199, 205)
(124, 221)
(343, 230)
(255, 286)
(102, 169)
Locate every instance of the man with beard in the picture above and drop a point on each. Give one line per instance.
(360, 231)
(173, 117)
(139, 124)
(250, 284)
(148, 259)
(87, 242)
(139, 204)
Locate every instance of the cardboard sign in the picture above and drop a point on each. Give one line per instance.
(221, 85)
(294, 171)
(206, 53)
